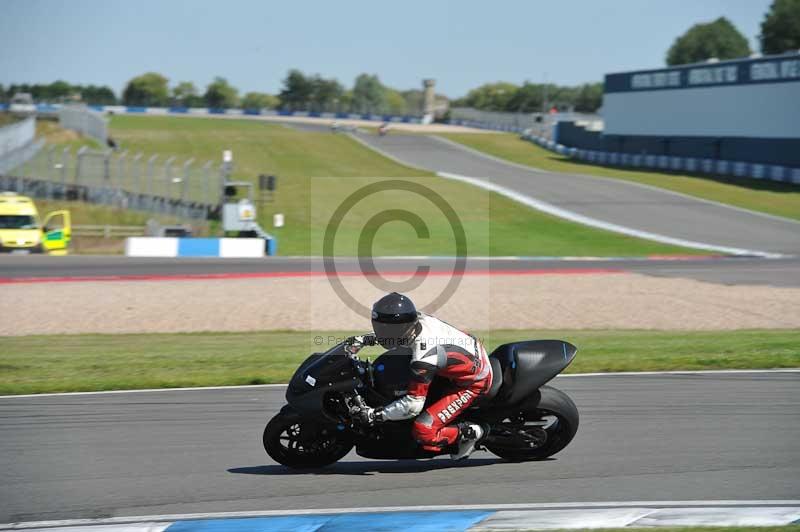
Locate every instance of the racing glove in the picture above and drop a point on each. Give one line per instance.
(366, 415)
(354, 344)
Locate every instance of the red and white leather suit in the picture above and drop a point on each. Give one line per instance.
(439, 349)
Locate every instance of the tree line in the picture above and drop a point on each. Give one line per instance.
(299, 92)
(533, 97)
(780, 32)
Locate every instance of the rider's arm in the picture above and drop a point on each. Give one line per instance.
(422, 373)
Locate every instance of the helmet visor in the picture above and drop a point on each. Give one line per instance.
(391, 335)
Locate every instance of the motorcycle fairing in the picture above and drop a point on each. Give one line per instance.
(319, 375)
(526, 366)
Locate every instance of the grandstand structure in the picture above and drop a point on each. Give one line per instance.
(745, 110)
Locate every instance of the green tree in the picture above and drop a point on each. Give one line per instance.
(149, 89)
(185, 94)
(346, 102)
(780, 30)
(395, 103)
(259, 100)
(525, 99)
(325, 93)
(220, 94)
(718, 39)
(589, 98)
(96, 95)
(296, 92)
(58, 90)
(489, 97)
(369, 95)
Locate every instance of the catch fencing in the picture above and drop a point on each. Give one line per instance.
(86, 121)
(539, 124)
(153, 183)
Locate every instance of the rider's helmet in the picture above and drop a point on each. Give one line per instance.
(394, 320)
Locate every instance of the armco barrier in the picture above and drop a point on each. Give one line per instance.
(673, 163)
(199, 247)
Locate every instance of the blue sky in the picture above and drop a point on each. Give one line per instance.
(461, 44)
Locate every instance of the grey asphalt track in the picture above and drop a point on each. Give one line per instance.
(729, 271)
(665, 437)
(609, 200)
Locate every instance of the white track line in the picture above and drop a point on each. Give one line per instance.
(490, 157)
(383, 509)
(569, 215)
(599, 224)
(147, 390)
(283, 385)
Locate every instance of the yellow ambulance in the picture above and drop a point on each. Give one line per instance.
(22, 232)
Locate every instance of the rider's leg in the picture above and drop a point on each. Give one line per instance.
(433, 428)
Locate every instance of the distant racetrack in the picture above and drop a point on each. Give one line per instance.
(616, 202)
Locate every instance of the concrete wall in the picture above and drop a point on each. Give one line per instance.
(198, 247)
(760, 111)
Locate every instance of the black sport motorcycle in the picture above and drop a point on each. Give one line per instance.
(528, 420)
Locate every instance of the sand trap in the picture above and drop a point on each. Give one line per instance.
(586, 301)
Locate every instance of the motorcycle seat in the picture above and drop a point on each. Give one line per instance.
(497, 378)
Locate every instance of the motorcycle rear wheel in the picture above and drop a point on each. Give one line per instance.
(293, 442)
(547, 428)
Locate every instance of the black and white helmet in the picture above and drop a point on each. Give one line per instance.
(394, 320)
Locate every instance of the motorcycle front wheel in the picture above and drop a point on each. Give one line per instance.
(298, 443)
(536, 433)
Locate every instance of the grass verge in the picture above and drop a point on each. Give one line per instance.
(6, 119)
(317, 170)
(780, 199)
(70, 363)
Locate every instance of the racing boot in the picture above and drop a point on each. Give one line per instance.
(470, 435)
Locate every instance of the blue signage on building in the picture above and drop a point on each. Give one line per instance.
(772, 69)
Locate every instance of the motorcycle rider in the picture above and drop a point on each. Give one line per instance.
(438, 349)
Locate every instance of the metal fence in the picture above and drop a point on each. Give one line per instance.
(18, 144)
(539, 124)
(109, 231)
(154, 183)
(85, 121)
